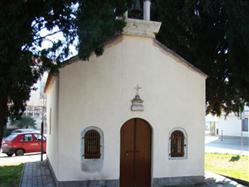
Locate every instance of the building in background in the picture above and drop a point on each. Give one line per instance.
(36, 107)
(231, 125)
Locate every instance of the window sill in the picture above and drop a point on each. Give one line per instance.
(178, 158)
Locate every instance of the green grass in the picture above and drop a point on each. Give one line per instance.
(10, 175)
(235, 166)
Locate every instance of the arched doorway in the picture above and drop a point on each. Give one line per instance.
(135, 158)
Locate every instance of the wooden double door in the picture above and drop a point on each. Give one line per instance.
(135, 158)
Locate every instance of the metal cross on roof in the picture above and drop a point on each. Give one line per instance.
(137, 89)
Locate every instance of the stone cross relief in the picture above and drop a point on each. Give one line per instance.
(137, 89)
(137, 102)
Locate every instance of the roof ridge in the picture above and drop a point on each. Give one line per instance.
(181, 59)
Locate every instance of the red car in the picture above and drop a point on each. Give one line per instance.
(21, 143)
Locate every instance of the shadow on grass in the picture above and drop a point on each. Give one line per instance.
(243, 182)
(234, 158)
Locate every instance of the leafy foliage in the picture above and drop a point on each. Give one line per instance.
(97, 22)
(214, 36)
(25, 122)
(21, 59)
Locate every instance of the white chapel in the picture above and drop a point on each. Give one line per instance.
(133, 117)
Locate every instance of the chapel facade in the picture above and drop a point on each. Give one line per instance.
(133, 117)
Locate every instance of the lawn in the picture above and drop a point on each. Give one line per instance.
(10, 175)
(235, 166)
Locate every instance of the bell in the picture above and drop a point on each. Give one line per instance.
(136, 10)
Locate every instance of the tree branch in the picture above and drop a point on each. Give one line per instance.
(45, 37)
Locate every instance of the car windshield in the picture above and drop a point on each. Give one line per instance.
(38, 137)
(11, 137)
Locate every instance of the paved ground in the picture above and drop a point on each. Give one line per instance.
(37, 174)
(215, 180)
(232, 145)
(15, 160)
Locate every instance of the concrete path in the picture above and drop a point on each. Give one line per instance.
(228, 144)
(37, 174)
(16, 160)
(215, 180)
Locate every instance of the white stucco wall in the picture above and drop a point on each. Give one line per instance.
(229, 125)
(99, 92)
(36, 95)
(52, 124)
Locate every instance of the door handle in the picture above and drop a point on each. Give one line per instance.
(127, 152)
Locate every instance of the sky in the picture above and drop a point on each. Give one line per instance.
(57, 36)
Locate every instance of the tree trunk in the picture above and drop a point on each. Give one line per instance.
(3, 118)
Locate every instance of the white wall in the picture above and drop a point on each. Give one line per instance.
(52, 124)
(99, 93)
(228, 126)
(35, 95)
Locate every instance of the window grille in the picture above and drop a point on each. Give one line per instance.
(92, 145)
(177, 144)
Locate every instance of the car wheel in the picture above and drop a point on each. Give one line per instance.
(19, 152)
(9, 154)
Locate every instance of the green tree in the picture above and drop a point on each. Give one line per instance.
(21, 60)
(97, 22)
(25, 122)
(212, 35)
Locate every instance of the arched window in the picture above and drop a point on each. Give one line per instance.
(92, 149)
(177, 144)
(92, 145)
